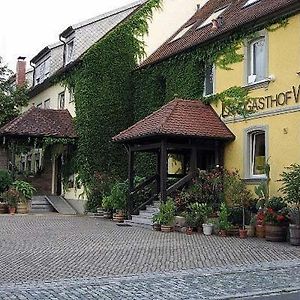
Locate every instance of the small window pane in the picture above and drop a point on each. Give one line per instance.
(259, 59)
(258, 153)
(61, 100)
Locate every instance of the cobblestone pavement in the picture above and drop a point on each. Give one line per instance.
(63, 257)
(216, 283)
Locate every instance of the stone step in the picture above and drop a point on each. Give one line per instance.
(135, 224)
(151, 209)
(146, 214)
(142, 220)
(39, 204)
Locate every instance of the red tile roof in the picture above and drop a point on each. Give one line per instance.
(38, 122)
(234, 17)
(190, 118)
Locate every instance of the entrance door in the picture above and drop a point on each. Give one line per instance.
(205, 159)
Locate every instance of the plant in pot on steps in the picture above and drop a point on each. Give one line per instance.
(119, 199)
(223, 223)
(291, 189)
(5, 182)
(156, 219)
(207, 227)
(236, 192)
(276, 220)
(26, 191)
(167, 213)
(12, 197)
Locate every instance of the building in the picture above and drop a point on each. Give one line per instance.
(59, 58)
(266, 63)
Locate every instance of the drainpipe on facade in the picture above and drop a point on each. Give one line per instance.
(64, 53)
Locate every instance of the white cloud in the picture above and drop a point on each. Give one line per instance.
(26, 27)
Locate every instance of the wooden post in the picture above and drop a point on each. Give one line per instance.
(130, 179)
(157, 187)
(193, 160)
(217, 153)
(163, 171)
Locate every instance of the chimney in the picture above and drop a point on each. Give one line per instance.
(21, 71)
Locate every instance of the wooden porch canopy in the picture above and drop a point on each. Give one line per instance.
(181, 126)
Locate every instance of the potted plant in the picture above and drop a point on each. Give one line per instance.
(118, 197)
(26, 191)
(156, 222)
(260, 224)
(223, 222)
(207, 227)
(291, 189)
(5, 182)
(107, 206)
(236, 192)
(190, 222)
(276, 220)
(198, 212)
(251, 227)
(12, 197)
(167, 212)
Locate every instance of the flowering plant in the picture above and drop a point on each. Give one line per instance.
(260, 217)
(276, 211)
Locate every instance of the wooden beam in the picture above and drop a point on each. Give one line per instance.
(193, 159)
(145, 147)
(217, 153)
(180, 183)
(163, 171)
(143, 184)
(130, 179)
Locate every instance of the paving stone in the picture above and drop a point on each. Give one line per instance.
(59, 257)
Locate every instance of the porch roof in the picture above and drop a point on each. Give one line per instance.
(182, 118)
(38, 122)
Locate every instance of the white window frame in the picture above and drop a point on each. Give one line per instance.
(251, 78)
(213, 80)
(42, 71)
(69, 54)
(249, 149)
(59, 100)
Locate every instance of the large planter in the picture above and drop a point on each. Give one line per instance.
(22, 208)
(107, 215)
(260, 231)
(12, 210)
(276, 233)
(207, 228)
(295, 234)
(3, 208)
(250, 231)
(166, 228)
(243, 233)
(118, 217)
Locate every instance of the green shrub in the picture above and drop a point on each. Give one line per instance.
(5, 181)
(25, 189)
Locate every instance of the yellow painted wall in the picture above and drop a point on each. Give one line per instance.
(284, 128)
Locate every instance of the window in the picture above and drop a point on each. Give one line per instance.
(61, 100)
(209, 80)
(71, 96)
(182, 32)
(256, 152)
(47, 104)
(213, 16)
(257, 60)
(42, 71)
(249, 2)
(39, 105)
(69, 51)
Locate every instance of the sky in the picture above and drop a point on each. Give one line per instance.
(26, 27)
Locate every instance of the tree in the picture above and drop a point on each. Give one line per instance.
(12, 98)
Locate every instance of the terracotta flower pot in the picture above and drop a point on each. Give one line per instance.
(166, 228)
(243, 233)
(189, 230)
(223, 233)
(295, 234)
(118, 217)
(260, 231)
(276, 233)
(12, 210)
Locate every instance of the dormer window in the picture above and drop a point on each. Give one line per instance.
(213, 16)
(249, 2)
(69, 51)
(42, 71)
(182, 32)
